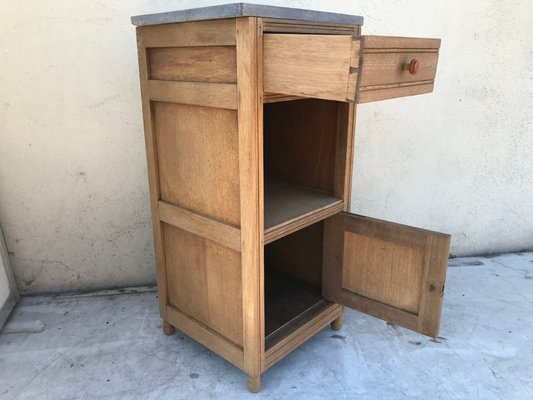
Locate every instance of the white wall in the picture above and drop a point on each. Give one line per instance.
(73, 186)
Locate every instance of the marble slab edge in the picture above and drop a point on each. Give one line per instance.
(245, 10)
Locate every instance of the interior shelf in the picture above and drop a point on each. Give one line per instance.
(289, 304)
(290, 207)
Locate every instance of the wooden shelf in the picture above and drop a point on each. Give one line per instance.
(290, 207)
(289, 304)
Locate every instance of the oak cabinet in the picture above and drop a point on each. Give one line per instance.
(249, 125)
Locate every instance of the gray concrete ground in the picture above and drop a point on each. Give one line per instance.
(110, 346)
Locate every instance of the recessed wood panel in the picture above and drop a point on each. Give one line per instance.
(300, 142)
(388, 272)
(198, 159)
(198, 33)
(391, 271)
(204, 281)
(193, 64)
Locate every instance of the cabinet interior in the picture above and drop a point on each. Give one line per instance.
(293, 282)
(300, 153)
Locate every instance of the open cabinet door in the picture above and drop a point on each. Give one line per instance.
(391, 271)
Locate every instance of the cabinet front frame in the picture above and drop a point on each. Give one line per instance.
(342, 185)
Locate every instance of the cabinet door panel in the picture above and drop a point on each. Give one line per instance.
(391, 271)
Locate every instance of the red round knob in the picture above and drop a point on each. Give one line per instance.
(413, 66)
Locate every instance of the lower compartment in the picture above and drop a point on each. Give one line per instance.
(295, 337)
(293, 284)
(289, 304)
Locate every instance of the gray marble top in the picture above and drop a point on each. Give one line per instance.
(245, 10)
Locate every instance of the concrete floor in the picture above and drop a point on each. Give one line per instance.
(110, 346)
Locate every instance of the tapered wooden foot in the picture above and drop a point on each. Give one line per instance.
(336, 324)
(168, 329)
(254, 383)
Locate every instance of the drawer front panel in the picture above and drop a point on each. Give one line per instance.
(318, 66)
(387, 69)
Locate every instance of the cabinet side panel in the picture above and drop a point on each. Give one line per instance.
(198, 155)
(188, 74)
(204, 281)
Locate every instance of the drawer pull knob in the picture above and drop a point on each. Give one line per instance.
(412, 67)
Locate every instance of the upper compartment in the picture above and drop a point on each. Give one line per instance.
(307, 163)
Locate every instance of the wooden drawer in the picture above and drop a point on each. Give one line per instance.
(319, 66)
(384, 67)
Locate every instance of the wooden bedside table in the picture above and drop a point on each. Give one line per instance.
(249, 120)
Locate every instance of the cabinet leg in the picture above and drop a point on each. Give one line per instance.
(336, 324)
(254, 383)
(168, 329)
